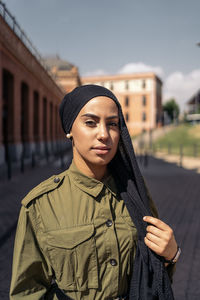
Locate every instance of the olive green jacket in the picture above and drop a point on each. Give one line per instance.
(76, 231)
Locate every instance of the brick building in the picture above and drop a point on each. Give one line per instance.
(64, 73)
(140, 96)
(29, 98)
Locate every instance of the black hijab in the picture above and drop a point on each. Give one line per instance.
(149, 280)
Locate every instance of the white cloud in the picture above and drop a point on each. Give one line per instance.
(176, 85)
(181, 86)
(140, 67)
(98, 72)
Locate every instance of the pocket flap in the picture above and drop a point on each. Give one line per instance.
(71, 237)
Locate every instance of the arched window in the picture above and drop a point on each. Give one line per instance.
(51, 121)
(36, 116)
(7, 110)
(45, 118)
(24, 112)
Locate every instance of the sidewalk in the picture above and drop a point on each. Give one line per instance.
(187, 162)
(176, 192)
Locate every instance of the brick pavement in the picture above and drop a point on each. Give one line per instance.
(176, 192)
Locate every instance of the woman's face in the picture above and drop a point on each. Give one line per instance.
(95, 132)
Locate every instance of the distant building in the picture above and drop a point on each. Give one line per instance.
(64, 73)
(193, 103)
(140, 96)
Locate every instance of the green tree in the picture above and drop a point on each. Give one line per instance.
(172, 109)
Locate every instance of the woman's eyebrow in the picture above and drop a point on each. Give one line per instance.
(113, 117)
(90, 115)
(95, 116)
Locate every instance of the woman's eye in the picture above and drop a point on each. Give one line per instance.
(113, 124)
(90, 123)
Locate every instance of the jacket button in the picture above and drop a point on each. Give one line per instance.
(56, 179)
(113, 262)
(109, 223)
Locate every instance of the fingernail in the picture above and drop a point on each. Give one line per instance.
(144, 218)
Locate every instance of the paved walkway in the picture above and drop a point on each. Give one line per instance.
(176, 192)
(187, 162)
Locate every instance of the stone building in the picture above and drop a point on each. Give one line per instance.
(65, 74)
(140, 96)
(29, 98)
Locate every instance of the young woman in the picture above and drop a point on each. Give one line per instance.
(93, 229)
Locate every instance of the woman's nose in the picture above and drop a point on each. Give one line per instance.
(103, 132)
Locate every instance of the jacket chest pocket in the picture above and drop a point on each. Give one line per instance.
(73, 255)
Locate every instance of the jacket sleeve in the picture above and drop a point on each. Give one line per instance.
(31, 273)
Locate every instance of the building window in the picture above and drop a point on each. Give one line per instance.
(144, 100)
(126, 85)
(127, 101)
(143, 84)
(127, 117)
(144, 116)
(111, 86)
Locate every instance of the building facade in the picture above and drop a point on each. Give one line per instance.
(140, 96)
(193, 104)
(29, 98)
(65, 74)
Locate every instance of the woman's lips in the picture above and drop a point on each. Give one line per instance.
(101, 150)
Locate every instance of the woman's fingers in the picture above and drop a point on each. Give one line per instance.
(156, 222)
(153, 246)
(153, 238)
(160, 237)
(163, 234)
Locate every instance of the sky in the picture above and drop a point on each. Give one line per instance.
(119, 36)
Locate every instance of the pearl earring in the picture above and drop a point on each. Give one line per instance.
(68, 135)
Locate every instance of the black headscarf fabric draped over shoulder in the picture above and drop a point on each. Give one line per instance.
(149, 279)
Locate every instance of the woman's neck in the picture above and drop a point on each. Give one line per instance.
(91, 170)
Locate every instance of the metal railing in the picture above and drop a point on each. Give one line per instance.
(12, 23)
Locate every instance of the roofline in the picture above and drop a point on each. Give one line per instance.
(193, 96)
(120, 77)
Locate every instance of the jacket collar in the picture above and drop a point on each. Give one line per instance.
(91, 185)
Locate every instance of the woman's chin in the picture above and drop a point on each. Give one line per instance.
(101, 160)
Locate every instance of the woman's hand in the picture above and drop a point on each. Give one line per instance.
(160, 238)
